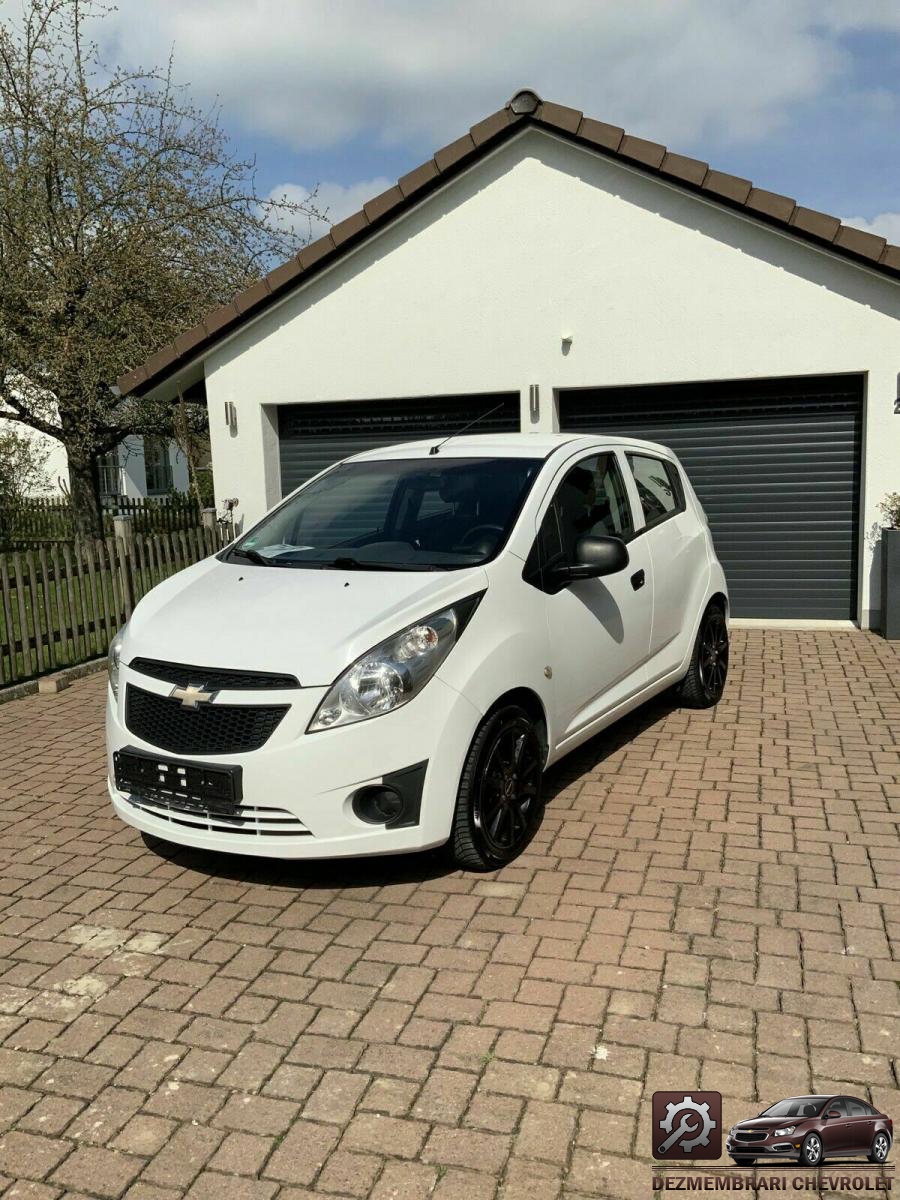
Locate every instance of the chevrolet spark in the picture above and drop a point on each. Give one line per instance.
(391, 658)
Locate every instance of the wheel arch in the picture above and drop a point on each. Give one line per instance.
(533, 705)
(721, 599)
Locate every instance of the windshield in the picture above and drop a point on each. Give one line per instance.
(395, 514)
(799, 1106)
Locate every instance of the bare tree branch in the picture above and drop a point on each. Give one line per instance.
(124, 216)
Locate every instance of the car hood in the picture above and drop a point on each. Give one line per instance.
(310, 623)
(768, 1123)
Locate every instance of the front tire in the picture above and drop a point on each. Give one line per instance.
(704, 683)
(880, 1148)
(743, 1162)
(499, 805)
(811, 1151)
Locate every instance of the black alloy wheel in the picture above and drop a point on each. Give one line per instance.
(704, 683)
(499, 804)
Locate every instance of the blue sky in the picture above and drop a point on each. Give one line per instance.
(801, 96)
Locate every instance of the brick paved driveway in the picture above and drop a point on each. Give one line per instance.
(714, 900)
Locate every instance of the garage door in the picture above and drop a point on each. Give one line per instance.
(776, 464)
(313, 436)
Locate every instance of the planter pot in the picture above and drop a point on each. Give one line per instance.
(890, 584)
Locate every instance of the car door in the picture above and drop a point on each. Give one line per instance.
(678, 556)
(599, 629)
(835, 1130)
(861, 1125)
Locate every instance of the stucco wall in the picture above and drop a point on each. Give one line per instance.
(473, 290)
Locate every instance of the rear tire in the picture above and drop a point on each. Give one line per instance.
(704, 683)
(499, 805)
(880, 1147)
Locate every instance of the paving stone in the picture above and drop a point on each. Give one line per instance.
(711, 902)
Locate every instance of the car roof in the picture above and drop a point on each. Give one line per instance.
(503, 445)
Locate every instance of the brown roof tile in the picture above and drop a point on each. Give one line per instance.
(349, 227)
(598, 133)
(220, 319)
(315, 251)
(859, 242)
(190, 339)
(381, 205)
(689, 170)
(560, 117)
(163, 358)
(729, 187)
(414, 180)
(640, 150)
(491, 126)
(449, 156)
(285, 274)
(816, 224)
(251, 297)
(525, 108)
(771, 204)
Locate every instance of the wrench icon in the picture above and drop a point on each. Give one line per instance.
(684, 1127)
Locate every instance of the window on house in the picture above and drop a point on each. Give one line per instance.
(108, 469)
(158, 466)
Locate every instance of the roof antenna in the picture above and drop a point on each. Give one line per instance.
(435, 449)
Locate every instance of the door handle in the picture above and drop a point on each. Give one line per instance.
(638, 579)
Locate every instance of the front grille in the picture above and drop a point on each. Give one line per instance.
(750, 1136)
(245, 819)
(214, 679)
(208, 729)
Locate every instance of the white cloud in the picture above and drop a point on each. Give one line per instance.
(332, 200)
(315, 73)
(886, 225)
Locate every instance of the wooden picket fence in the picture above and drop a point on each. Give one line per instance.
(62, 604)
(42, 520)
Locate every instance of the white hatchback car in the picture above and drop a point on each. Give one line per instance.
(391, 657)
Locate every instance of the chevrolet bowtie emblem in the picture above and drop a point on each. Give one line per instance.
(191, 696)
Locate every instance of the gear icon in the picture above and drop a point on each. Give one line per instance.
(683, 1108)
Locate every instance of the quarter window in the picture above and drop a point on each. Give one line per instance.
(658, 485)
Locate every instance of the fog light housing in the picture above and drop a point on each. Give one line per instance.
(393, 803)
(377, 805)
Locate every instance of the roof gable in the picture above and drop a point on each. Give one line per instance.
(524, 109)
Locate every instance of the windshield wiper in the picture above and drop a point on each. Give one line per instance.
(348, 563)
(254, 556)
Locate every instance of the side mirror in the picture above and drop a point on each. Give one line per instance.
(595, 557)
(832, 1113)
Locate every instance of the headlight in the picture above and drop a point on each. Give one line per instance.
(115, 657)
(786, 1132)
(394, 671)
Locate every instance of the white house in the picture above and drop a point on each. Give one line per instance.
(555, 270)
(137, 467)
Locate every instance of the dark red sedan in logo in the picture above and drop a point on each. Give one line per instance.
(809, 1129)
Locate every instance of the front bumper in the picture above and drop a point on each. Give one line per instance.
(772, 1148)
(297, 787)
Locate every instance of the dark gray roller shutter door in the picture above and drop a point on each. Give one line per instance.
(313, 436)
(776, 465)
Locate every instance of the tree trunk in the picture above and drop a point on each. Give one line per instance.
(84, 480)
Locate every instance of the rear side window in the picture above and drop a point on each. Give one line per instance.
(856, 1109)
(658, 485)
